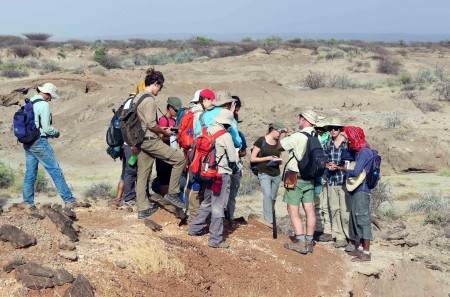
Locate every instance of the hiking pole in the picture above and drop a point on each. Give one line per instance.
(185, 217)
(274, 224)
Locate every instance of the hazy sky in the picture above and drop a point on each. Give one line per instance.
(88, 19)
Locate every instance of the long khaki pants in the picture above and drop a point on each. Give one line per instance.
(340, 212)
(323, 223)
(151, 149)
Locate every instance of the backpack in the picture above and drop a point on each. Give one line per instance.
(203, 165)
(114, 134)
(24, 127)
(180, 114)
(254, 166)
(130, 124)
(186, 130)
(313, 163)
(373, 176)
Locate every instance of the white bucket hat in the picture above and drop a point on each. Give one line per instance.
(224, 116)
(49, 88)
(196, 98)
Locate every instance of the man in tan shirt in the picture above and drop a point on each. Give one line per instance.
(153, 147)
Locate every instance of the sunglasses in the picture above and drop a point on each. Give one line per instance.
(48, 94)
(335, 128)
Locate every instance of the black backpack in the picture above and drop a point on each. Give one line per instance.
(130, 124)
(312, 165)
(114, 134)
(254, 166)
(373, 176)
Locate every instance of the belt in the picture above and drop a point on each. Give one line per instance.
(148, 137)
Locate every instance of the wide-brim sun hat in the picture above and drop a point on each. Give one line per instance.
(224, 116)
(320, 122)
(196, 98)
(353, 182)
(49, 88)
(334, 122)
(310, 116)
(222, 98)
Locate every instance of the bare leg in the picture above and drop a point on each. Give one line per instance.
(120, 187)
(310, 218)
(296, 220)
(366, 244)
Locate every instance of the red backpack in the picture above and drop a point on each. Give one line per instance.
(186, 130)
(203, 164)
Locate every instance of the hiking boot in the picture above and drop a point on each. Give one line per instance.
(362, 258)
(174, 200)
(299, 247)
(71, 205)
(222, 245)
(340, 243)
(310, 246)
(325, 237)
(350, 247)
(130, 203)
(355, 253)
(148, 212)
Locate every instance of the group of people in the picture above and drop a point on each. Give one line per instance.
(335, 209)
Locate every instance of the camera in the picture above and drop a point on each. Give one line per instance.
(174, 129)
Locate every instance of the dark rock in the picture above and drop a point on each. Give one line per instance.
(411, 243)
(80, 288)
(35, 282)
(67, 246)
(62, 277)
(152, 225)
(121, 265)
(70, 213)
(15, 262)
(36, 216)
(35, 270)
(17, 237)
(398, 235)
(434, 267)
(63, 223)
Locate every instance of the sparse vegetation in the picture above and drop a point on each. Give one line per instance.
(100, 190)
(388, 65)
(444, 172)
(41, 183)
(37, 36)
(316, 79)
(14, 73)
(381, 194)
(270, 44)
(430, 200)
(341, 82)
(6, 176)
(394, 119)
(22, 50)
(249, 183)
(442, 90)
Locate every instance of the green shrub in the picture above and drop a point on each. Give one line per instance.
(159, 59)
(388, 65)
(434, 218)
(334, 54)
(14, 73)
(49, 66)
(108, 61)
(270, 44)
(100, 52)
(405, 78)
(316, 79)
(6, 176)
(381, 194)
(99, 190)
(22, 50)
(249, 183)
(41, 183)
(185, 56)
(444, 172)
(442, 90)
(430, 201)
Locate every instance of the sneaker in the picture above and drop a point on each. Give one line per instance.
(325, 237)
(299, 247)
(222, 245)
(148, 212)
(350, 247)
(310, 246)
(174, 200)
(355, 253)
(362, 258)
(130, 203)
(340, 243)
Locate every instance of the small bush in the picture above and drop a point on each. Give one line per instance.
(341, 82)
(14, 73)
(334, 54)
(37, 36)
(9, 40)
(22, 50)
(394, 120)
(444, 172)
(32, 63)
(270, 44)
(388, 65)
(249, 183)
(99, 190)
(159, 59)
(381, 194)
(442, 90)
(434, 218)
(426, 106)
(108, 61)
(6, 176)
(49, 66)
(185, 56)
(405, 78)
(430, 75)
(99, 70)
(430, 201)
(127, 63)
(41, 183)
(411, 95)
(315, 80)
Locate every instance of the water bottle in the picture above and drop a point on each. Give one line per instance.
(132, 160)
(116, 124)
(173, 141)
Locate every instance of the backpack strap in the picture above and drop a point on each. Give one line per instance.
(218, 133)
(39, 116)
(202, 121)
(36, 101)
(140, 100)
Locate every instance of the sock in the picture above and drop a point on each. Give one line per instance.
(366, 252)
(309, 237)
(360, 248)
(300, 237)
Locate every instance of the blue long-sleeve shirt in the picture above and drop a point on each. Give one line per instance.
(363, 161)
(208, 118)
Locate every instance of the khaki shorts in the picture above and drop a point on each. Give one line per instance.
(303, 193)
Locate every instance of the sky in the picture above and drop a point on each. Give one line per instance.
(83, 19)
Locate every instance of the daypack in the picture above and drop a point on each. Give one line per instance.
(186, 130)
(203, 165)
(114, 136)
(180, 114)
(254, 166)
(313, 163)
(24, 127)
(373, 176)
(130, 124)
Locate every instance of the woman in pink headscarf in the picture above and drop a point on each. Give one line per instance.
(360, 223)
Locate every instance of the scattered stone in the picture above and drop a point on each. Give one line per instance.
(63, 224)
(76, 227)
(121, 265)
(36, 277)
(152, 225)
(15, 262)
(398, 235)
(411, 243)
(35, 282)
(36, 216)
(368, 270)
(67, 246)
(17, 237)
(72, 256)
(62, 277)
(434, 267)
(35, 270)
(400, 242)
(70, 214)
(92, 234)
(80, 288)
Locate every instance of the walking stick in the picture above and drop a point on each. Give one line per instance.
(274, 224)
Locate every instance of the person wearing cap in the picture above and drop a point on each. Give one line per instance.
(359, 195)
(222, 100)
(303, 193)
(41, 151)
(265, 149)
(196, 105)
(214, 203)
(335, 186)
(153, 147)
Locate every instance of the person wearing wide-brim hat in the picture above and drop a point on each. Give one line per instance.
(214, 203)
(335, 177)
(39, 149)
(265, 150)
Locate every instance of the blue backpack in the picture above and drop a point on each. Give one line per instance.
(373, 176)
(24, 126)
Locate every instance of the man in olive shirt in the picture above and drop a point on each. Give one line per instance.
(304, 190)
(153, 147)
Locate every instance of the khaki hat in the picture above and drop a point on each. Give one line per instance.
(277, 125)
(222, 98)
(175, 102)
(310, 116)
(353, 182)
(224, 116)
(334, 122)
(320, 122)
(49, 88)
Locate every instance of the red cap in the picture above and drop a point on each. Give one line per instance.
(208, 94)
